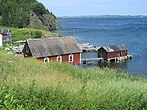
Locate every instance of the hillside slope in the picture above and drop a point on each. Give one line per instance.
(26, 13)
(26, 33)
(30, 84)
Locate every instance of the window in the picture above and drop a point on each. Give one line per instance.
(46, 59)
(59, 59)
(71, 58)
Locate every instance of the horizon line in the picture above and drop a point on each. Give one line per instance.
(102, 15)
(68, 16)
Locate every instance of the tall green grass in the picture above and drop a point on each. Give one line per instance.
(27, 84)
(26, 33)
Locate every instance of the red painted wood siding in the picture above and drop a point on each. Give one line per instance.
(110, 55)
(77, 58)
(65, 58)
(102, 53)
(124, 53)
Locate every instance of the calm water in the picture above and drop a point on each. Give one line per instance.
(132, 32)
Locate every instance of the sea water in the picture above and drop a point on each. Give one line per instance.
(132, 32)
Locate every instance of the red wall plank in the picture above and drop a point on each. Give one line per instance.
(65, 58)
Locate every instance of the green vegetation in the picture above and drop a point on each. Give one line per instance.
(26, 13)
(26, 33)
(27, 84)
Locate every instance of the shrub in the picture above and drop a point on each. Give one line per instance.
(38, 34)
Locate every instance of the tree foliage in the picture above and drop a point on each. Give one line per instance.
(39, 8)
(15, 13)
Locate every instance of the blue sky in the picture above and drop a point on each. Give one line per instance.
(96, 7)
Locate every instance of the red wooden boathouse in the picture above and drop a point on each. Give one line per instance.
(63, 49)
(115, 52)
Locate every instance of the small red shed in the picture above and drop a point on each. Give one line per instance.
(63, 49)
(115, 52)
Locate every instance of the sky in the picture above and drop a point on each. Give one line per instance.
(96, 7)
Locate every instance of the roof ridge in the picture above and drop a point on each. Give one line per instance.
(52, 38)
(53, 46)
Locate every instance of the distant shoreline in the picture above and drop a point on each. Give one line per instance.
(105, 16)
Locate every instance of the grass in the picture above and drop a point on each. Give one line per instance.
(26, 33)
(29, 84)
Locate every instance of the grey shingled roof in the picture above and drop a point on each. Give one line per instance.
(5, 31)
(114, 48)
(53, 46)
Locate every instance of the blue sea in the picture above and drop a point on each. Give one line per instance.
(132, 32)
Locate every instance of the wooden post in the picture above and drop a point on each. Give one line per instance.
(108, 60)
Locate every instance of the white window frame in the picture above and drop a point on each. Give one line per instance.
(46, 59)
(80, 58)
(59, 57)
(72, 58)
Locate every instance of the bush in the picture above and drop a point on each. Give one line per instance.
(38, 34)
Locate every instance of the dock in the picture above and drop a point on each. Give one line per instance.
(87, 47)
(89, 59)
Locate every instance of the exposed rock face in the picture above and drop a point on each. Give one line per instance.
(45, 21)
(26, 13)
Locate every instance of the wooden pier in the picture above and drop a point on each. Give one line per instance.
(87, 47)
(89, 59)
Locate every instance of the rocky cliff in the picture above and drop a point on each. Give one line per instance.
(44, 21)
(27, 13)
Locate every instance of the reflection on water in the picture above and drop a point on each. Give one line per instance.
(119, 65)
(132, 32)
